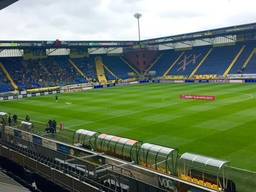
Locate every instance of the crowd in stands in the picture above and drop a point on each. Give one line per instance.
(87, 66)
(55, 71)
(4, 83)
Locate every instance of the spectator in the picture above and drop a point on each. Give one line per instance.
(54, 125)
(15, 119)
(27, 118)
(9, 120)
(61, 126)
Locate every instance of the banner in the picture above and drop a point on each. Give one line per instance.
(198, 97)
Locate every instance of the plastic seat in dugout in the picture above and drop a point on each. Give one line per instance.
(209, 171)
(162, 159)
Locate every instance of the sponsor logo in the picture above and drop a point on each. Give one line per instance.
(198, 97)
(167, 184)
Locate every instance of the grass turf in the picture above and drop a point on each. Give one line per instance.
(224, 129)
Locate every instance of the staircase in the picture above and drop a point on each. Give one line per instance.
(78, 70)
(132, 68)
(249, 58)
(100, 70)
(114, 75)
(15, 87)
(234, 61)
(173, 64)
(201, 63)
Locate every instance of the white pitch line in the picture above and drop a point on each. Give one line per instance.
(251, 96)
(243, 170)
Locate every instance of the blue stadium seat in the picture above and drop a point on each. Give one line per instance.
(238, 66)
(188, 62)
(219, 60)
(5, 85)
(116, 66)
(251, 67)
(87, 66)
(166, 60)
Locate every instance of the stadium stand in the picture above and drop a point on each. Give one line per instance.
(41, 73)
(219, 60)
(131, 67)
(87, 66)
(4, 84)
(164, 63)
(110, 76)
(62, 70)
(205, 62)
(117, 66)
(15, 68)
(189, 60)
(83, 77)
(234, 61)
(238, 67)
(251, 66)
(177, 64)
(8, 77)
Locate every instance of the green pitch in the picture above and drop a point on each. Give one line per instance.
(224, 129)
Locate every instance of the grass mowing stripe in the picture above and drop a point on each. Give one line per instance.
(154, 113)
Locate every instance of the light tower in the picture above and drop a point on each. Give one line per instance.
(138, 16)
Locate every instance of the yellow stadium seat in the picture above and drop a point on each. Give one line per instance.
(201, 182)
(215, 187)
(189, 178)
(194, 180)
(182, 176)
(209, 185)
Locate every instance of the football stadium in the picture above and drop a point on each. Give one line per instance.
(175, 113)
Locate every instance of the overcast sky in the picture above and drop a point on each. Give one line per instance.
(113, 19)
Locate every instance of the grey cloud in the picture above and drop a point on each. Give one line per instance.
(113, 19)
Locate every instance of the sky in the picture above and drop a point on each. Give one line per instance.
(113, 19)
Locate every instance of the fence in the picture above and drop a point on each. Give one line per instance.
(63, 135)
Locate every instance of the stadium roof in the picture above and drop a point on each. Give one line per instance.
(6, 3)
(226, 32)
(234, 30)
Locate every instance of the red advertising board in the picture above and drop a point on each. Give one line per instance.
(198, 97)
